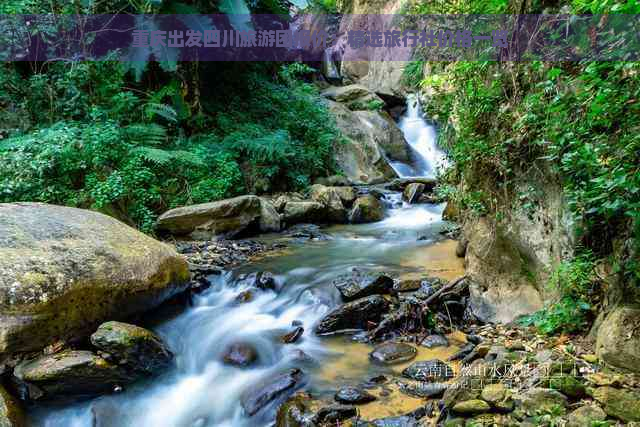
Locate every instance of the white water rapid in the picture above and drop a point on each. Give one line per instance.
(422, 139)
(200, 390)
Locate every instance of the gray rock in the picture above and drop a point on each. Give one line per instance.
(240, 354)
(433, 341)
(138, 348)
(269, 217)
(330, 198)
(63, 271)
(224, 218)
(353, 396)
(275, 387)
(353, 315)
(424, 390)
(391, 353)
(586, 415)
(429, 370)
(333, 414)
(539, 401)
(621, 404)
(618, 339)
(359, 285)
(305, 211)
(366, 209)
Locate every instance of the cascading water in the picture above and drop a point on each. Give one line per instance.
(202, 391)
(422, 139)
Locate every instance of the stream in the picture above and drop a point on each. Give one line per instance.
(201, 391)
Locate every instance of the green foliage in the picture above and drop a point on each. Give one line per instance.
(575, 283)
(413, 73)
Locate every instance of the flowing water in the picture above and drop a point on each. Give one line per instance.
(200, 391)
(422, 138)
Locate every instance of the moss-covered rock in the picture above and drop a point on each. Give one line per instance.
(366, 209)
(63, 271)
(137, 348)
(471, 407)
(69, 375)
(11, 414)
(586, 415)
(621, 404)
(541, 401)
(568, 385)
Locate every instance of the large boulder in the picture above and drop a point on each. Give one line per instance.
(622, 404)
(137, 348)
(63, 271)
(359, 154)
(68, 375)
(330, 198)
(358, 284)
(366, 209)
(11, 414)
(353, 315)
(618, 339)
(269, 217)
(225, 218)
(304, 211)
(355, 97)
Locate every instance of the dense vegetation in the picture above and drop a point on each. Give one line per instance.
(134, 141)
(577, 121)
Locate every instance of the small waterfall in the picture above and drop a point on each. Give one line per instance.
(422, 139)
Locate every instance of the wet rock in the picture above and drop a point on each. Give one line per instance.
(429, 370)
(305, 211)
(424, 390)
(353, 396)
(618, 339)
(137, 348)
(539, 401)
(471, 407)
(275, 387)
(463, 352)
(240, 354)
(243, 297)
(586, 415)
(399, 184)
(260, 280)
(224, 218)
(412, 192)
(11, 413)
(292, 336)
(358, 314)
(66, 270)
(359, 285)
(306, 231)
(408, 317)
(468, 385)
(334, 414)
(68, 375)
(355, 96)
(433, 341)
(401, 421)
(366, 209)
(294, 412)
(621, 404)
(407, 285)
(391, 353)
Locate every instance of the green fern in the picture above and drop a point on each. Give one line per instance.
(165, 111)
(162, 157)
(146, 134)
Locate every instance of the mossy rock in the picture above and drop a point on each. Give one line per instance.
(66, 270)
(366, 209)
(568, 385)
(11, 414)
(618, 403)
(70, 375)
(137, 348)
(471, 407)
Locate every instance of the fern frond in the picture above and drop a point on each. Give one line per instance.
(146, 134)
(163, 110)
(162, 157)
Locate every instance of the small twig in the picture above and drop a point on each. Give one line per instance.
(446, 287)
